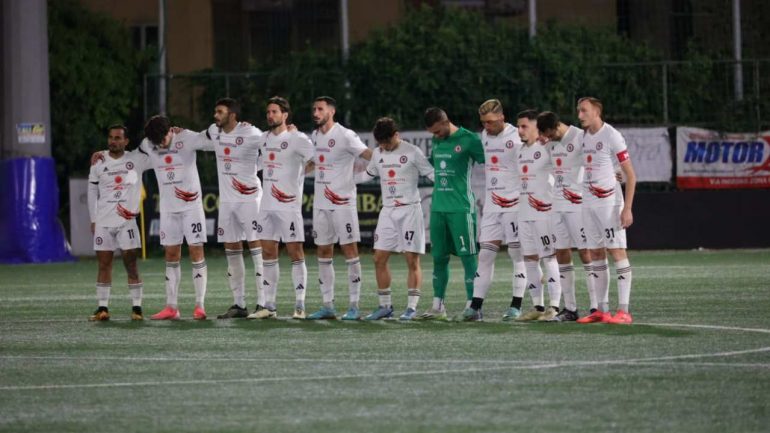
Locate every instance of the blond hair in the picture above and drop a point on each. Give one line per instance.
(491, 106)
(593, 101)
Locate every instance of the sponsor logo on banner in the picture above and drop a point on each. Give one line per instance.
(711, 160)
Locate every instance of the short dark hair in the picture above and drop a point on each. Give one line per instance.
(282, 103)
(232, 105)
(434, 115)
(547, 121)
(328, 99)
(118, 126)
(384, 129)
(529, 114)
(157, 128)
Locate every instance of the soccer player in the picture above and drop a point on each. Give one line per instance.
(335, 217)
(500, 219)
(284, 155)
(535, 231)
(237, 148)
(114, 189)
(173, 157)
(400, 226)
(606, 214)
(565, 147)
(453, 209)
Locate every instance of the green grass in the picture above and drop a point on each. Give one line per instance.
(697, 359)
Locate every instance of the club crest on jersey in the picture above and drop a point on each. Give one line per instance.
(220, 231)
(599, 146)
(493, 181)
(170, 175)
(570, 147)
(284, 145)
(162, 234)
(376, 237)
(238, 141)
(332, 143)
(509, 144)
(99, 240)
(403, 159)
(179, 144)
(315, 234)
(129, 165)
(458, 149)
(537, 155)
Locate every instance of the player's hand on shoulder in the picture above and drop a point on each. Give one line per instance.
(97, 157)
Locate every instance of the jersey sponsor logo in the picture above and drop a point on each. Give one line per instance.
(458, 149)
(168, 159)
(185, 195)
(509, 144)
(391, 173)
(392, 189)
(442, 165)
(524, 185)
(493, 181)
(226, 151)
(238, 141)
(125, 213)
(570, 147)
(558, 162)
(179, 144)
(170, 175)
(589, 159)
(504, 202)
(270, 172)
(284, 145)
(538, 205)
(494, 159)
(600, 192)
(118, 179)
(129, 165)
(99, 240)
(282, 196)
(538, 155)
(321, 174)
(332, 143)
(271, 157)
(623, 156)
(321, 158)
(572, 196)
(524, 169)
(243, 188)
(599, 145)
(117, 194)
(335, 198)
(444, 181)
(228, 166)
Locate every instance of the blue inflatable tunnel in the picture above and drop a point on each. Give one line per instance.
(30, 231)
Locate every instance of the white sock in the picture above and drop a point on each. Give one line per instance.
(554, 281)
(486, 269)
(256, 257)
(602, 283)
(519, 270)
(136, 293)
(299, 279)
(173, 277)
(354, 277)
(623, 270)
(534, 281)
(384, 297)
(103, 293)
(270, 276)
(438, 304)
(413, 297)
(236, 275)
(567, 273)
(590, 283)
(326, 280)
(200, 276)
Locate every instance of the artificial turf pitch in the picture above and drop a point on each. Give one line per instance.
(696, 359)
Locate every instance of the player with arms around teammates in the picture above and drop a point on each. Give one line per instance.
(400, 226)
(284, 156)
(606, 214)
(335, 215)
(453, 207)
(500, 219)
(114, 189)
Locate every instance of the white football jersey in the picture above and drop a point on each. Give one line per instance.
(118, 184)
(601, 151)
(176, 170)
(283, 169)
(335, 153)
(237, 152)
(399, 171)
(501, 154)
(567, 161)
(536, 182)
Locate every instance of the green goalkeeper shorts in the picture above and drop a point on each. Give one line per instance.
(453, 233)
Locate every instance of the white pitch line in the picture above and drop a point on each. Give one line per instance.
(716, 327)
(381, 375)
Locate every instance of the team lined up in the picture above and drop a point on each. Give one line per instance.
(549, 188)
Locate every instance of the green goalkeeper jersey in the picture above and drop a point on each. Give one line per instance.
(452, 159)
